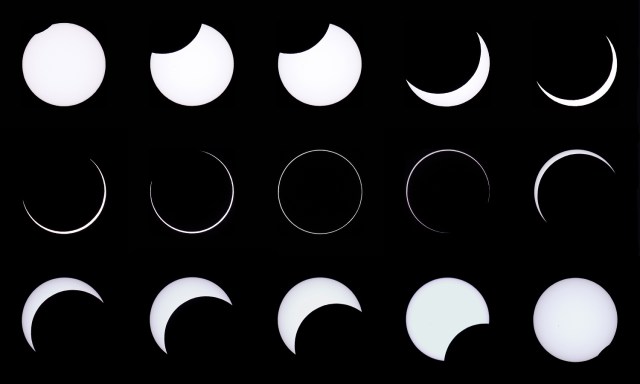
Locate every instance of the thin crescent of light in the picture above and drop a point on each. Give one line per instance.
(597, 94)
(173, 296)
(551, 161)
(334, 230)
(466, 92)
(304, 298)
(208, 228)
(43, 292)
(418, 163)
(104, 199)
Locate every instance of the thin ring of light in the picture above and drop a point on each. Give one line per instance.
(418, 163)
(104, 199)
(205, 229)
(334, 230)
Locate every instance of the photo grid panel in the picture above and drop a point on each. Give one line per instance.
(444, 191)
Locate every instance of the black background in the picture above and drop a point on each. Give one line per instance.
(503, 248)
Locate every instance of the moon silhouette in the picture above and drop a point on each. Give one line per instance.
(63, 65)
(198, 73)
(466, 92)
(554, 159)
(331, 230)
(205, 229)
(597, 94)
(575, 319)
(173, 296)
(420, 161)
(324, 74)
(104, 199)
(45, 291)
(304, 298)
(440, 310)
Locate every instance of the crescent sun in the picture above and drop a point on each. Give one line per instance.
(554, 159)
(466, 92)
(43, 292)
(304, 298)
(597, 94)
(173, 296)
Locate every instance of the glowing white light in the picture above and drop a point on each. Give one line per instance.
(304, 298)
(466, 92)
(93, 219)
(198, 73)
(173, 296)
(332, 230)
(440, 310)
(420, 161)
(552, 161)
(597, 94)
(63, 65)
(45, 291)
(324, 74)
(575, 319)
(209, 227)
